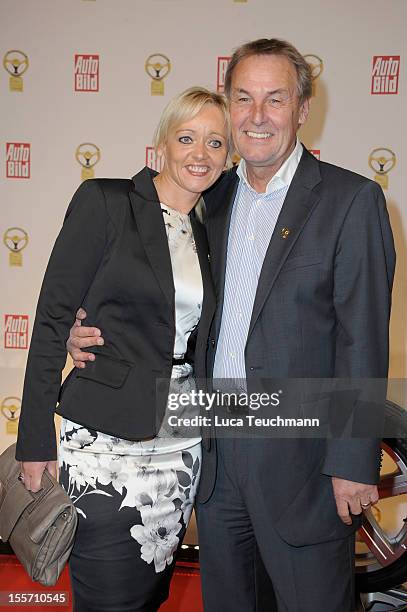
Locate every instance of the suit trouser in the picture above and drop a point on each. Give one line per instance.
(233, 526)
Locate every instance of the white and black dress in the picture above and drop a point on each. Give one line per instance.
(134, 499)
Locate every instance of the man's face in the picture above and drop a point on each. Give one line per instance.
(265, 110)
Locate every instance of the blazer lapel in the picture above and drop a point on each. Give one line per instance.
(298, 205)
(150, 224)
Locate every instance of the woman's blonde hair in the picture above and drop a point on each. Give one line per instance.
(187, 105)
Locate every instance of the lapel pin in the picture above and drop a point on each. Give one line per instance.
(285, 232)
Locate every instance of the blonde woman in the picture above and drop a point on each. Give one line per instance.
(134, 255)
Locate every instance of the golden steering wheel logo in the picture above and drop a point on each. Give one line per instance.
(157, 67)
(16, 63)
(87, 155)
(15, 239)
(316, 65)
(381, 161)
(10, 409)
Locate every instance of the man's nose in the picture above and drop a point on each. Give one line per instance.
(258, 114)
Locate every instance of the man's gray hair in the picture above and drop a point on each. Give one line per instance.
(273, 46)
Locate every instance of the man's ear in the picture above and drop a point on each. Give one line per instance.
(304, 110)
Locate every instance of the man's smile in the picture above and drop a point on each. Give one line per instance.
(258, 135)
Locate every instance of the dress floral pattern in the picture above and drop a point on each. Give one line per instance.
(158, 478)
(163, 496)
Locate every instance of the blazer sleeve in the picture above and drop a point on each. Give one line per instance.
(363, 279)
(74, 260)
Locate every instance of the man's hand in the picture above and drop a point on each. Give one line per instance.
(80, 338)
(352, 497)
(31, 473)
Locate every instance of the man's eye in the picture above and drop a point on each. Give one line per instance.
(275, 102)
(185, 139)
(216, 144)
(243, 99)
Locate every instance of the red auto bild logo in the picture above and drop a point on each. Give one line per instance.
(153, 161)
(18, 160)
(15, 331)
(86, 72)
(316, 153)
(385, 74)
(223, 63)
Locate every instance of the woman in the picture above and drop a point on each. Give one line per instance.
(134, 255)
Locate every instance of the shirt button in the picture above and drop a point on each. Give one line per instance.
(233, 355)
(251, 237)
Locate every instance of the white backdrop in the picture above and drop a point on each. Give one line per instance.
(347, 121)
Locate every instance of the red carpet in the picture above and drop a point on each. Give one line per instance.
(185, 593)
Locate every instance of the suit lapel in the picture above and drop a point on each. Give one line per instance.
(218, 231)
(297, 208)
(151, 228)
(202, 251)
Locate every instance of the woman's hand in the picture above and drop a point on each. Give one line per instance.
(31, 473)
(80, 338)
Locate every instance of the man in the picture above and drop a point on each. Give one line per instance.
(303, 260)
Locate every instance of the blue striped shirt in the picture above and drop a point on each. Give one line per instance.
(254, 217)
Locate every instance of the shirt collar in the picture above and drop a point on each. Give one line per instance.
(282, 177)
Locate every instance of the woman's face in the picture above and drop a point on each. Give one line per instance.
(195, 151)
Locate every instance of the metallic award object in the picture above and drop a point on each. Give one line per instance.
(87, 155)
(16, 63)
(10, 409)
(317, 65)
(15, 239)
(381, 161)
(157, 67)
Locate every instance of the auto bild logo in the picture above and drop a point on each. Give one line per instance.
(385, 74)
(223, 63)
(86, 72)
(18, 160)
(316, 153)
(153, 161)
(15, 331)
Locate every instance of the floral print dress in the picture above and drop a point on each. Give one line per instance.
(156, 479)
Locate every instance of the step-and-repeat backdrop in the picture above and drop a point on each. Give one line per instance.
(83, 83)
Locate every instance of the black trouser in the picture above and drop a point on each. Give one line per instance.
(235, 523)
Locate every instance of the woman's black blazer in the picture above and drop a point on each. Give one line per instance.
(112, 258)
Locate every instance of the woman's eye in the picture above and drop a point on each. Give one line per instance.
(185, 139)
(216, 144)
